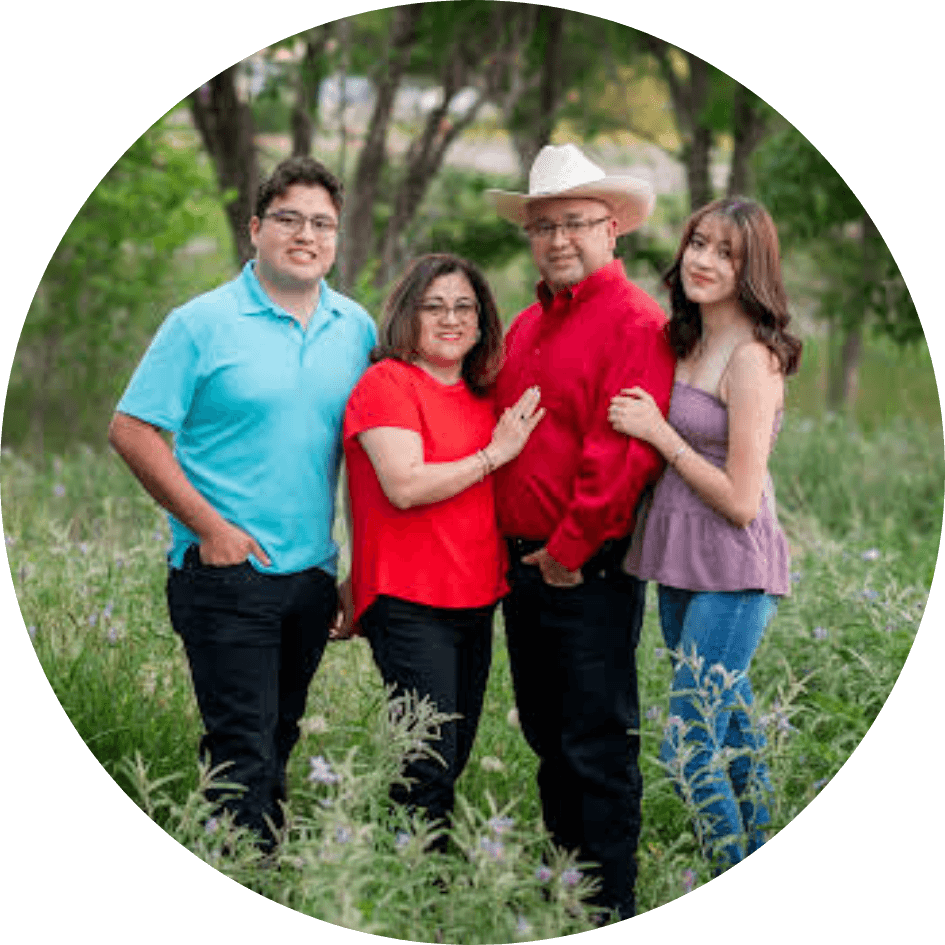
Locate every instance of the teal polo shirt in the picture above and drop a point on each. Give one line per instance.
(255, 404)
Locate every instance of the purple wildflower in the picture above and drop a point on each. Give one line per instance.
(211, 825)
(59, 490)
(84, 547)
(402, 839)
(869, 594)
(321, 771)
(571, 877)
(653, 713)
(659, 652)
(93, 619)
(871, 554)
(543, 873)
(31, 630)
(107, 611)
(342, 835)
(494, 849)
(820, 633)
(523, 926)
(9, 541)
(796, 576)
(500, 825)
(688, 880)
(112, 634)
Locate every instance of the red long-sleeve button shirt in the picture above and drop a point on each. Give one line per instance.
(577, 481)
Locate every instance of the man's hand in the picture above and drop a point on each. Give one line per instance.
(343, 626)
(227, 545)
(553, 572)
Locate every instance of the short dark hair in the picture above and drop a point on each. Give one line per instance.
(400, 331)
(298, 170)
(759, 283)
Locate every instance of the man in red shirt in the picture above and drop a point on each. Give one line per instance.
(566, 507)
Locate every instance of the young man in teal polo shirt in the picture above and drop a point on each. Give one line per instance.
(251, 380)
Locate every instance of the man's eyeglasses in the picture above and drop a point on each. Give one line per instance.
(465, 310)
(292, 222)
(545, 229)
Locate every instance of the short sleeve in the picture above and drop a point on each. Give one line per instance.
(162, 387)
(384, 397)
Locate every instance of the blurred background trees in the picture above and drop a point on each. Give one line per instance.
(420, 108)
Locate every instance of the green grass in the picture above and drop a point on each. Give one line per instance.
(863, 510)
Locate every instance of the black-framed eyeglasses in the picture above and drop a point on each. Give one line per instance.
(292, 222)
(545, 229)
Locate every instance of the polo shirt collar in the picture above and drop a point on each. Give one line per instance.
(613, 272)
(252, 298)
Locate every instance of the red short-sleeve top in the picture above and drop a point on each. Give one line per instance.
(448, 553)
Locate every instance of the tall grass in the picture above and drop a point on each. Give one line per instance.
(863, 511)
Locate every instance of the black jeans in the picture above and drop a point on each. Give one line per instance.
(253, 642)
(443, 653)
(572, 653)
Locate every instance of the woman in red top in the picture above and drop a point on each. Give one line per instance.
(428, 565)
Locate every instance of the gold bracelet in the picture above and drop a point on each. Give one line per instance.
(490, 467)
(682, 449)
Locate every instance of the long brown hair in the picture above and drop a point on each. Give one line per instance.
(400, 332)
(759, 284)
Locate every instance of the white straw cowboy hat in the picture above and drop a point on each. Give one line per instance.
(565, 172)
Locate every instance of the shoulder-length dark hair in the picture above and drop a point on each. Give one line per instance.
(400, 331)
(759, 284)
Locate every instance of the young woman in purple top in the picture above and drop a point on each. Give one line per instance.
(710, 535)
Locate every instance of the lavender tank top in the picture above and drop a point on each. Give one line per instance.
(681, 542)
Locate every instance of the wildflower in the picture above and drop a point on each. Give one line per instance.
(84, 547)
(494, 849)
(402, 839)
(491, 763)
(107, 611)
(512, 718)
(653, 713)
(523, 926)
(93, 619)
(688, 880)
(59, 490)
(211, 825)
(31, 630)
(119, 562)
(869, 594)
(796, 576)
(659, 652)
(543, 873)
(817, 785)
(871, 554)
(342, 835)
(571, 877)
(819, 633)
(500, 825)
(112, 635)
(321, 771)
(9, 540)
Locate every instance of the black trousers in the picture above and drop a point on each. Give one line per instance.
(443, 653)
(253, 642)
(572, 653)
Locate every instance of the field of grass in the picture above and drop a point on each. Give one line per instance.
(863, 509)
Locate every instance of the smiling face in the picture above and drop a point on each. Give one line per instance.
(449, 324)
(295, 262)
(710, 263)
(565, 260)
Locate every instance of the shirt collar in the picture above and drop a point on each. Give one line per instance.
(252, 298)
(613, 272)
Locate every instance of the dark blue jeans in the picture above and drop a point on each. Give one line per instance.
(445, 654)
(573, 659)
(253, 642)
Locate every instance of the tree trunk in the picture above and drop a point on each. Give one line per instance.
(689, 95)
(748, 128)
(359, 215)
(312, 69)
(227, 130)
